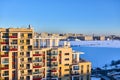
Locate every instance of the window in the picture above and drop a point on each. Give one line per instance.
(28, 42)
(66, 75)
(21, 78)
(66, 64)
(87, 68)
(66, 53)
(21, 53)
(87, 77)
(76, 78)
(21, 41)
(21, 65)
(67, 70)
(30, 35)
(22, 35)
(21, 47)
(66, 59)
(60, 52)
(82, 69)
(22, 59)
(75, 67)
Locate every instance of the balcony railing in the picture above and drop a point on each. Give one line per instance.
(54, 59)
(4, 42)
(37, 66)
(13, 49)
(12, 36)
(37, 78)
(4, 68)
(37, 54)
(53, 70)
(4, 55)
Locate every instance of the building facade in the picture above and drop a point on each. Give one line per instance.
(26, 57)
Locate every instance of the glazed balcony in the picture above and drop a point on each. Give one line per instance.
(53, 65)
(37, 60)
(5, 36)
(5, 49)
(5, 74)
(37, 72)
(54, 75)
(54, 54)
(37, 54)
(5, 62)
(4, 55)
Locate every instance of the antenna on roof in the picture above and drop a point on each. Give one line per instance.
(29, 26)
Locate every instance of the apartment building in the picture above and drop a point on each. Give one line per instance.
(23, 56)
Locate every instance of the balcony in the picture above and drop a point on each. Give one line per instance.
(37, 72)
(5, 74)
(37, 66)
(37, 54)
(12, 36)
(37, 78)
(54, 59)
(4, 55)
(4, 42)
(13, 49)
(53, 65)
(5, 49)
(75, 73)
(59, 54)
(5, 62)
(5, 36)
(54, 54)
(54, 70)
(54, 75)
(4, 68)
(37, 60)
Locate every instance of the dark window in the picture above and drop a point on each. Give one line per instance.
(66, 53)
(67, 70)
(76, 67)
(66, 64)
(66, 59)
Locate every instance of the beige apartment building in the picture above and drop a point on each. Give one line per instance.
(23, 56)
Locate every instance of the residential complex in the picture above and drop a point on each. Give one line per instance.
(25, 56)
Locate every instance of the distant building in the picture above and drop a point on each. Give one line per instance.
(88, 38)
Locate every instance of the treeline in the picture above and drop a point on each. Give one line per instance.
(114, 63)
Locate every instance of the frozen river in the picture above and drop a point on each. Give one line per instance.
(99, 56)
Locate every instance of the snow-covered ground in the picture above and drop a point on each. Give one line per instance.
(94, 78)
(110, 43)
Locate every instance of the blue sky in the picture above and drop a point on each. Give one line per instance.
(63, 16)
